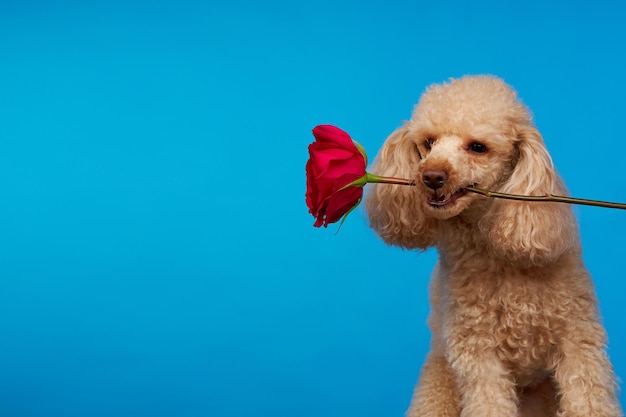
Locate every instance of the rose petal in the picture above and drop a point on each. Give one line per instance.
(342, 202)
(331, 164)
(334, 162)
(322, 159)
(330, 133)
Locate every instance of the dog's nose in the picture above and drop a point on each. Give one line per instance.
(434, 178)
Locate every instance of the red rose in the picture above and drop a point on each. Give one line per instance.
(335, 161)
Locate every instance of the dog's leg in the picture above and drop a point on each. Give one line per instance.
(584, 374)
(486, 386)
(436, 395)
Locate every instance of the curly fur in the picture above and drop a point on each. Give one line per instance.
(515, 325)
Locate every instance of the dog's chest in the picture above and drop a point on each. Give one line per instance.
(523, 333)
(512, 317)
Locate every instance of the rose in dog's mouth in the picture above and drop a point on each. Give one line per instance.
(440, 201)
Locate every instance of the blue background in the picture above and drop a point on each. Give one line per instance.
(156, 254)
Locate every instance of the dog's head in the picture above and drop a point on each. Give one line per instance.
(471, 131)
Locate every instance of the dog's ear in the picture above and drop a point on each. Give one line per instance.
(395, 211)
(531, 233)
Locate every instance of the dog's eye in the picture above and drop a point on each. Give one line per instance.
(428, 143)
(478, 147)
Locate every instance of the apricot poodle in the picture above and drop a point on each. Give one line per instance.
(514, 319)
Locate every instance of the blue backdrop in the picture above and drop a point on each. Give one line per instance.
(156, 254)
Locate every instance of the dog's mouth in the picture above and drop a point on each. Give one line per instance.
(441, 200)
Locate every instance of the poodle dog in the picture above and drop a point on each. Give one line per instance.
(514, 318)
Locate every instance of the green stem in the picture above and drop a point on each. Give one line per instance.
(387, 180)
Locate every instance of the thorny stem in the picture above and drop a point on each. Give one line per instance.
(547, 198)
(371, 178)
